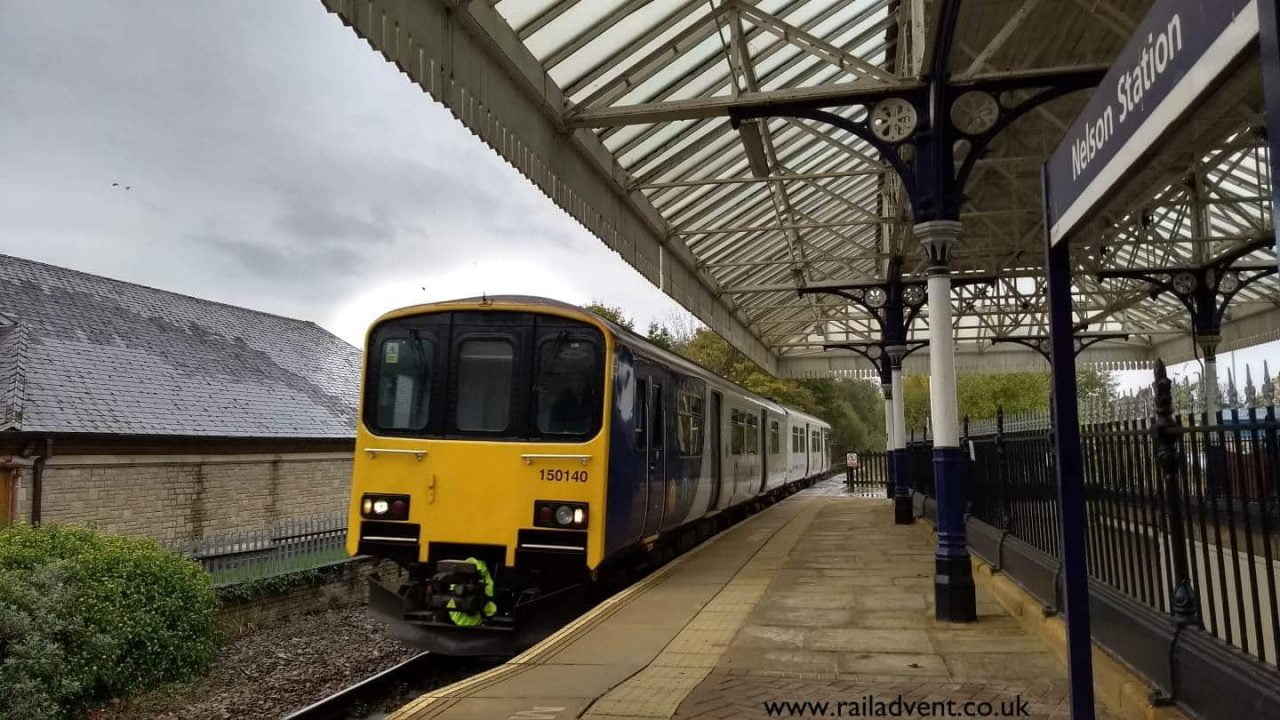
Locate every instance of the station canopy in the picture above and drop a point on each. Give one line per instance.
(628, 115)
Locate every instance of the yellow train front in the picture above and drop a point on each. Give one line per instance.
(510, 449)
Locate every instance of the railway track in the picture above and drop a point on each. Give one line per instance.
(362, 699)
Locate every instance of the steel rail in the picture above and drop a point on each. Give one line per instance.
(338, 704)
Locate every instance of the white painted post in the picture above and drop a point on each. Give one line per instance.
(955, 599)
(939, 237)
(899, 412)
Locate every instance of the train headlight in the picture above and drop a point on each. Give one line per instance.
(385, 507)
(564, 515)
(561, 515)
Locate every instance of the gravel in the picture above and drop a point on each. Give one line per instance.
(275, 671)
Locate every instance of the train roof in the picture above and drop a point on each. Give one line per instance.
(636, 341)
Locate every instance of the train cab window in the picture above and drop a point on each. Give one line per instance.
(689, 417)
(484, 385)
(566, 386)
(775, 438)
(404, 376)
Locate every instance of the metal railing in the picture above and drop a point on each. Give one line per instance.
(1193, 531)
(288, 546)
(871, 477)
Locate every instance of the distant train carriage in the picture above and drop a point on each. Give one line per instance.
(512, 450)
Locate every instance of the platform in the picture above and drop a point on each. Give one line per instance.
(820, 598)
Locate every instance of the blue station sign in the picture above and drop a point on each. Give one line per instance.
(1175, 54)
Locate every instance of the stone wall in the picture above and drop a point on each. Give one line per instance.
(341, 585)
(180, 497)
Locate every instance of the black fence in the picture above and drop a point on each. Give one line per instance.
(1225, 524)
(1183, 537)
(871, 476)
(1220, 510)
(1207, 522)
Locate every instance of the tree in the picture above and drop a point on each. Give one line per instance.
(612, 313)
(662, 337)
(980, 395)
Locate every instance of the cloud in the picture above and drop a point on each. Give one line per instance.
(275, 161)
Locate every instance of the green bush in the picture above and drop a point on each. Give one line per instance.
(85, 617)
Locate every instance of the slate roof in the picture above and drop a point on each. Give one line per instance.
(81, 353)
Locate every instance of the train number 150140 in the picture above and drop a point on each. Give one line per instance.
(557, 475)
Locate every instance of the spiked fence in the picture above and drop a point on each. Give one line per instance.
(1183, 504)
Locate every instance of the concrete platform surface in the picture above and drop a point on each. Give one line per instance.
(820, 599)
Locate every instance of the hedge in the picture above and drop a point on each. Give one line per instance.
(86, 617)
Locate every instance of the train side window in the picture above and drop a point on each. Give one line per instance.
(484, 385)
(775, 438)
(641, 417)
(752, 431)
(689, 417)
(405, 369)
(737, 433)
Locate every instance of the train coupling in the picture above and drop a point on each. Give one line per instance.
(461, 589)
(415, 619)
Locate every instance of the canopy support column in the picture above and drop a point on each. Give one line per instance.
(890, 438)
(954, 594)
(902, 512)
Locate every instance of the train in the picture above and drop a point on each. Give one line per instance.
(513, 452)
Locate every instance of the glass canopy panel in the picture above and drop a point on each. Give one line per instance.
(817, 217)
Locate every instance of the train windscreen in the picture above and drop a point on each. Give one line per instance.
(496, 375)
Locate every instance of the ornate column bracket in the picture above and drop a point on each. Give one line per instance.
(880, 354)
(898, 124)
(1040, 342)
(1204, 290)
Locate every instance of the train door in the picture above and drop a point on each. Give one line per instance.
(717, 449)
(764, 449)
(651, 388)
(806, 441)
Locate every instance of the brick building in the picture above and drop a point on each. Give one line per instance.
(144, 411)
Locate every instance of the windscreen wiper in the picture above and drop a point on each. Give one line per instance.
(555, 348)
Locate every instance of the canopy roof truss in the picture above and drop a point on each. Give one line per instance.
(629, 114)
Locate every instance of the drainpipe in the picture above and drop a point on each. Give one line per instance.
(37, 481)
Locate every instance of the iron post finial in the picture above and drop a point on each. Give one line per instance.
(1268, 388)
(1250, 392)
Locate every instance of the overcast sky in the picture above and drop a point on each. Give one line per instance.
(274, 161)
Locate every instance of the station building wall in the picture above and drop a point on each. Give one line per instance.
(176, 496)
